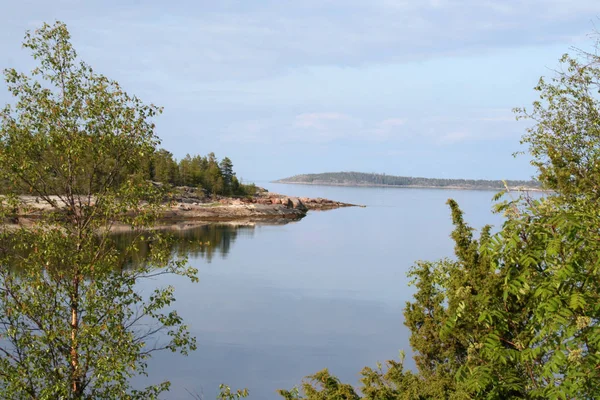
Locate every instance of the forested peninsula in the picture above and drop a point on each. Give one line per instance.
(193, 190)
(371, 179)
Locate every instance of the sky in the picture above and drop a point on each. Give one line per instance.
(402, 87)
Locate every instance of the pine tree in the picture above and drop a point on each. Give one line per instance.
(226, 167)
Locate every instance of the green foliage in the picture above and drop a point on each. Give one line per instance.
(516, 314)
(390, 383)
(216, 178)
(225, 393)
(322, 386)
(226, 168)
(163, 168)
(72, 324)
(565, 139)
(547, 258)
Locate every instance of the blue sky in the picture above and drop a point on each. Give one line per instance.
(405, 87)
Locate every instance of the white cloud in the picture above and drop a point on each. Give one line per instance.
(238, 40)
(323, 127)
(486, 124)
(320, 121)
(315, 127)
(251, 131)
(388, 128)
(392, 122)
(453, 137)
(332, 126)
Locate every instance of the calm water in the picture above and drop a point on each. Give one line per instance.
(276, 303)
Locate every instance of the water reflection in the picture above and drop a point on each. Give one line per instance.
(203, 241)
(326, 292)
(65, 298)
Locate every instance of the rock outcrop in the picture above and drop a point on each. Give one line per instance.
(301, 203)
(297, 204)
(190, 204)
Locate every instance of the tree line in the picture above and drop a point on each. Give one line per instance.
(372, 179)
(207, 172)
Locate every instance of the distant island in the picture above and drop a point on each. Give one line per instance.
(369, 179)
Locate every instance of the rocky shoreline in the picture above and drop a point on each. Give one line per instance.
(189, 206)
(263, 206)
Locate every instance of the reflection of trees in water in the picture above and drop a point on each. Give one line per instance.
(64, 300)
(41, 335)
(203, 241)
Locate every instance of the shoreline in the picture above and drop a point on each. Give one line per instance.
(366, 185)
(181, 226)
(265, 208)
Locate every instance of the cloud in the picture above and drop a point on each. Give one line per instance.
(473, 125)
(392, 122)
(251, 131)
(323, 127)
(369, 75)
(473, 116)
(331, 126)
(320, 121)
(315, 128)
(484, 124)
(453, 137)
(388, 128)
(240, 40)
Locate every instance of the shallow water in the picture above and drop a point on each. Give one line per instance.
(276, 303)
